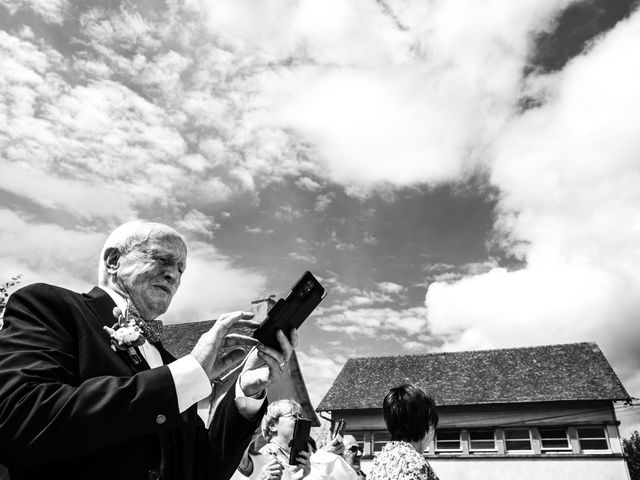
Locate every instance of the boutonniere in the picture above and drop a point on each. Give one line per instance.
(125, 334)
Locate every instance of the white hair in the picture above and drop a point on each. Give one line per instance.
(128, 236)
(274, 411)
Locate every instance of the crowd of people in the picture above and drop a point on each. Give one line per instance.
(88, 391)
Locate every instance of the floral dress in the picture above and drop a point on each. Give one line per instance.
(399, 461)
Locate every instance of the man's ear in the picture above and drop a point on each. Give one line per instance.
(111, 260)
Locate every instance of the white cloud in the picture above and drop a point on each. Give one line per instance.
(307, 184)
(197, 222)
(83, 199)
(391, 288)
(570, 189)
(46, 252)
(51, 11)
(319, 372)
(310, 259)
(390, 117)
(327, 31)
(377, 322)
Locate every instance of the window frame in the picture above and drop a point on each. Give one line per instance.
(493, 449)
(546, 450)
(374, 442)
(438, 450)
(605, 437)
(514, 451)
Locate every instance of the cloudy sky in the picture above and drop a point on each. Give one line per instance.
(459, 174)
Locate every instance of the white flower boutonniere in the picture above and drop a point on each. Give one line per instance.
(125, 334)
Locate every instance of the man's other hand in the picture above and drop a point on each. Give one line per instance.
(266, 365)
(335, 446)
(207, 350)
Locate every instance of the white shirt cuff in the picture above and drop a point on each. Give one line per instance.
(191, 381)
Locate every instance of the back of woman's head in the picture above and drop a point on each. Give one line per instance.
(409, 413)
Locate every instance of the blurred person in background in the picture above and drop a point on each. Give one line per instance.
(352, 453)
(277, 428)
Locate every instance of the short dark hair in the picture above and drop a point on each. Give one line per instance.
(409, 413)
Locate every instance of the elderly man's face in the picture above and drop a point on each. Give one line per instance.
(352, 452)
(150, 273)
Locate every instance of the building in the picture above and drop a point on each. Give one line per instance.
(179, 339)
(522, 413)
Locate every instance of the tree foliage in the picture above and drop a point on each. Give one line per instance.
(4, 293)
(632, 453)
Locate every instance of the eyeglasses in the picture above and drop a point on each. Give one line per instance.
(295, 416)
(355, 449)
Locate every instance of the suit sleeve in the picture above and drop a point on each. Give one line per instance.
(46, 411)
(229, 435)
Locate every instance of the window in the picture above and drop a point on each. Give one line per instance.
(517, 440)
(448, 441)
(380, 439)
(481, 440)
(554, 439)
(592, 438)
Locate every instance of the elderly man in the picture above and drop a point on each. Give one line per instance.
(352, 453)
(82, 395)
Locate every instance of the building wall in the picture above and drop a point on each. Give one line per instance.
(526, 468)
(368, 426)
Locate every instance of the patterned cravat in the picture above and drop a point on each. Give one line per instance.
(151, 329)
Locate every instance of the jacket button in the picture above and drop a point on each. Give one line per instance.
(160, 419)
(153, 475)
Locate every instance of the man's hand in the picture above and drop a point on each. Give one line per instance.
(266, 365)
(208, 346)
(336, 446)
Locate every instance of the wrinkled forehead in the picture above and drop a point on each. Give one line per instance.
(349, 441)
(165, 243)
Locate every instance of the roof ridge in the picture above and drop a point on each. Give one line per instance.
(531, 347)
(188, 323)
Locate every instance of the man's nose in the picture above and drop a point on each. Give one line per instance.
(171, 275)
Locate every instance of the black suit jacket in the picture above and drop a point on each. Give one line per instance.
(72, 408)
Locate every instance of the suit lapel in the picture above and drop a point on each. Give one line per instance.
(101, 304)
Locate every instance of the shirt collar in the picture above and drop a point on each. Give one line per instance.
(119, 300)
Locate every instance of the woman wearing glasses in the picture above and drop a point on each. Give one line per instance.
(277, 429)
(411, 418)
(325, 464)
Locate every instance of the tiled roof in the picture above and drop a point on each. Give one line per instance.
(577, 371)
(180, 338)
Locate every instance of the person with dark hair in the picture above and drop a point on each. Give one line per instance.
(411, 418)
